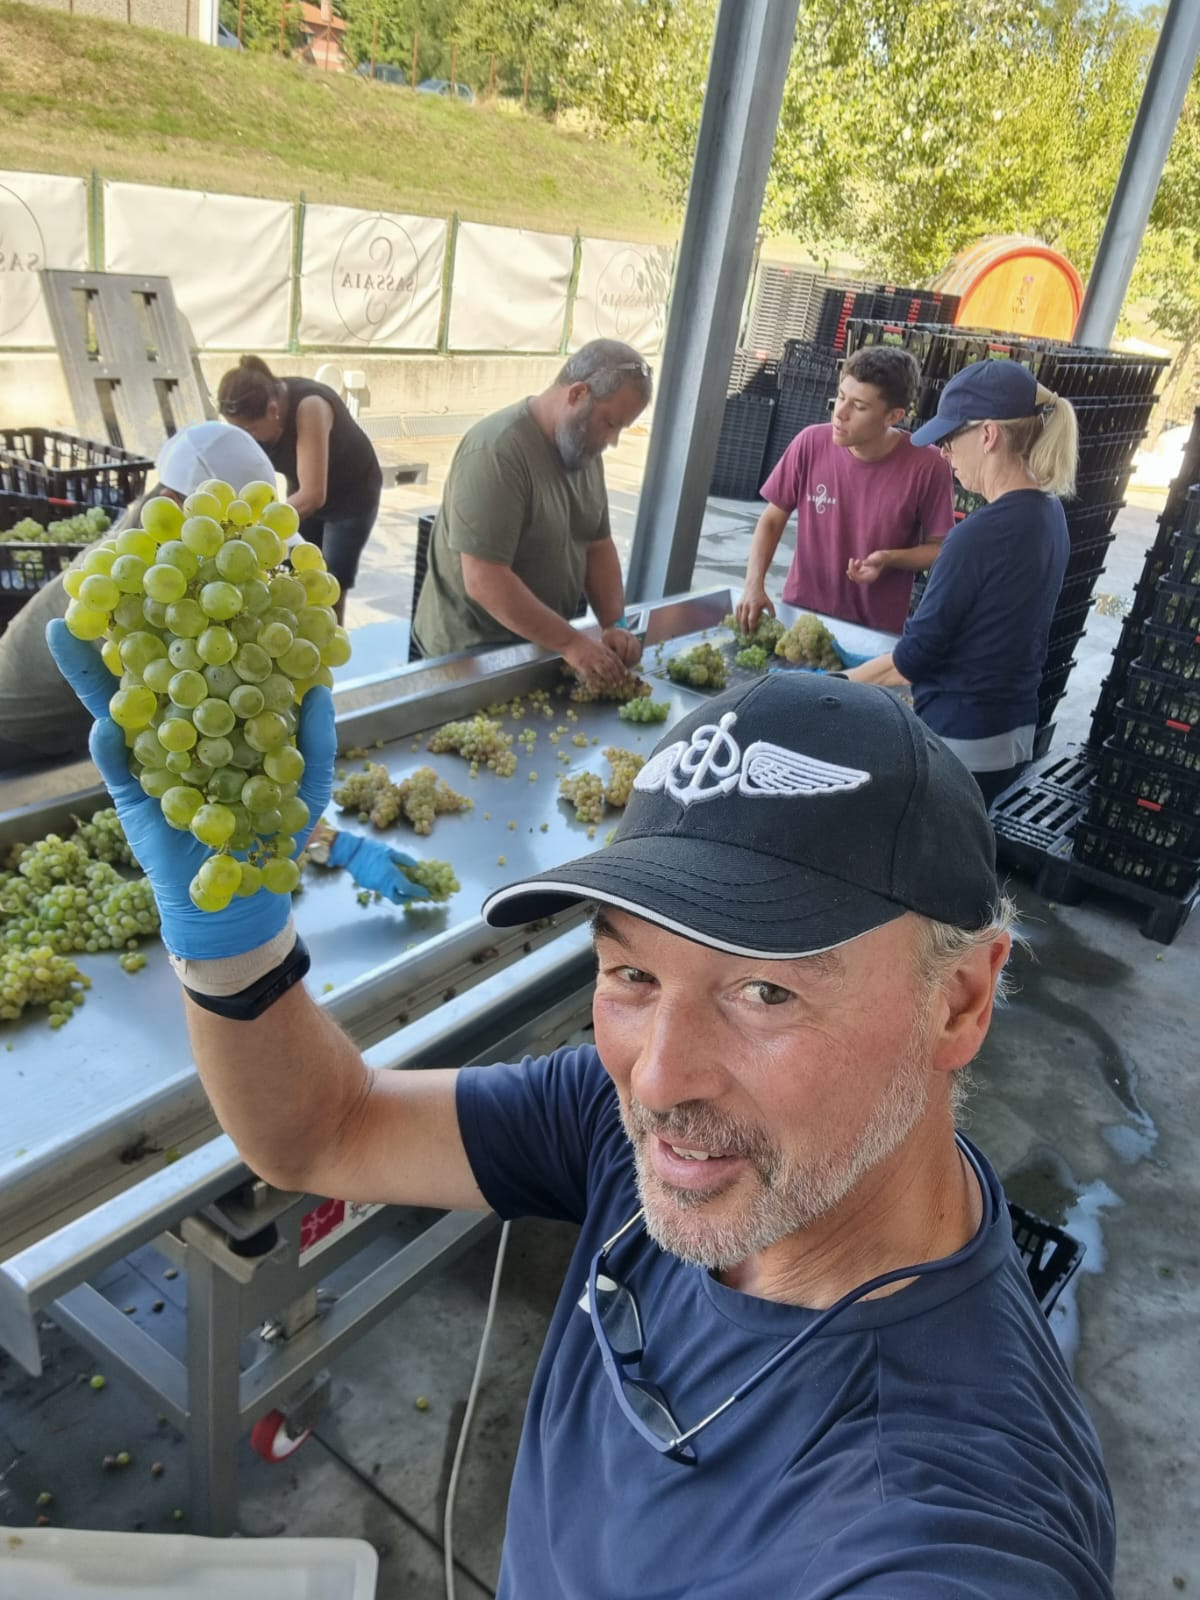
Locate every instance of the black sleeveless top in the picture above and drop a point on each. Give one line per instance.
(354, 479)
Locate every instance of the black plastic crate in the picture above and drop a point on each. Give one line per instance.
(1185, 558)
(1164, 694)
(1077, 589)
(1177, 605)
(1033, 819)
(1093, 521)
(1144, 733)
(61, 466)
(1147, 821)
(1126, 857)
(1139, 778)
(1051, 1255)
(738, 468)
(1054, 682)
(1067, 623)
(1169, 650)
(1088, 556)
(1109, 450)
(753, 372)
(1094, 488)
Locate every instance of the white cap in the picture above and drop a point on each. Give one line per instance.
(212, 450)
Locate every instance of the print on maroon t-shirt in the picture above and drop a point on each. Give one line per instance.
(846, 507)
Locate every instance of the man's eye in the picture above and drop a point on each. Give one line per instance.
(771, 994)
(633, 975)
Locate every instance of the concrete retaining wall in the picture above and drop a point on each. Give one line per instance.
(33, 391)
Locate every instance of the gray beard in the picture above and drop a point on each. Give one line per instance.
(570, 436)
(787, 1199)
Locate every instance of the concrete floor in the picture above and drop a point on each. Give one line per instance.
(1085, 1101)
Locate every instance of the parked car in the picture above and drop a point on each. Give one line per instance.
(384, 72)
(461, 91)
(226, 39)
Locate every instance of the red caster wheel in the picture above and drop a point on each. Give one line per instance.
(270, 1439)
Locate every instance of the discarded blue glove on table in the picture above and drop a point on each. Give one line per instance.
(170, 856)
(377, 867)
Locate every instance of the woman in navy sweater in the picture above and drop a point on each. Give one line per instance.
(975, 649)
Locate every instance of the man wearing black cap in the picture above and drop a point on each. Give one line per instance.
(796, 1353)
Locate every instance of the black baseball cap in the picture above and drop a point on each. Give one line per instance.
(998, 390)
(786, 818)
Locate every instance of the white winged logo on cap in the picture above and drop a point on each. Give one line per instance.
(713, 764)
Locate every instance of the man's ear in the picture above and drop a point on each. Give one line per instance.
(896, 416)
(967, 995)
(576, 392)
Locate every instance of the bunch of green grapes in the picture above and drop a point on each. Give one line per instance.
(625, 767)
(753, 658)
(419, 798)
(584, 690)
(103, 837)
(767, 631)
(38, 977)
(586, 793)
(644, 710)
(215, 641)
(701, 667)
(809, 643)
(83, 528)
(481, 741)
(104, 911)
(437, 877)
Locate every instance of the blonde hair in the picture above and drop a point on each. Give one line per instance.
(1047, 443)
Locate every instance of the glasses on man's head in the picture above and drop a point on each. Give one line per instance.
(948, 439)
(639, 366)
(617, 1324)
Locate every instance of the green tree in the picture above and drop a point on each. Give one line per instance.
(260, 22)
(432, 21)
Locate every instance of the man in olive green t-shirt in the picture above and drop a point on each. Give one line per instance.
(523, 529)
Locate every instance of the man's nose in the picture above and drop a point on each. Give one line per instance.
(673, 1065)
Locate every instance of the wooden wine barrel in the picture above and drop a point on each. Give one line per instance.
(1016, 285)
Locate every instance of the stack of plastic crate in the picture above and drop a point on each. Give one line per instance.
(745, 426)
(1159, 561)
(1142, 821)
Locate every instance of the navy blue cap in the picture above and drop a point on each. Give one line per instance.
(986, 391)
(783, 819)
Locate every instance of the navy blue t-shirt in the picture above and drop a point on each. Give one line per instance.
(975, 649)
(923, 1446)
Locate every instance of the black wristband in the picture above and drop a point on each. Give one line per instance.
(253, 1001)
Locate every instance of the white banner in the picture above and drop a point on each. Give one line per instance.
(371, 278)
(622, 293)
(43, 223)
(229, 259)
(510, 288)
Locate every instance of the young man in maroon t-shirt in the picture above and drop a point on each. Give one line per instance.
(871, 507)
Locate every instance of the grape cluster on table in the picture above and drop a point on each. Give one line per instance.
(645, 710)
(479, 740)
(700, 667)
(419, 798)
(809, 643)
(215, 634)
(61, 897)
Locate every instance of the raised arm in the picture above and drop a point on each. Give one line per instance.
(289, 1088)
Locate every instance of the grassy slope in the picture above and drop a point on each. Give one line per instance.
(77, 94)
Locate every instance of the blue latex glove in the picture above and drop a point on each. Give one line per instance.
(376, 866)
(169, 856)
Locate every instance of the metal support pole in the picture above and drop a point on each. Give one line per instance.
(751, 49)
(1146, 156)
